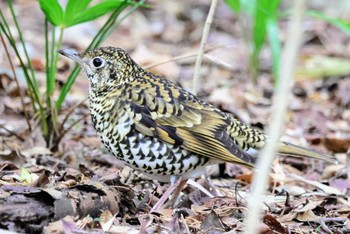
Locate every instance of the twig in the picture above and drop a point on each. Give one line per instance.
(206, 29)
(12, 133)
(200, 187)
(266, 157)
(17, 83)
(71, 126)
(70, 111)
(180, 57)
(185, 224)
(324, 226)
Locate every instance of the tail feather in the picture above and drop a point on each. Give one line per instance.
(294, 150)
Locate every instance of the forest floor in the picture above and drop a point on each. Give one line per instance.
(80, 188)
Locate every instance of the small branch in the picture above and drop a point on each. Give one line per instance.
(185, 224)
(266, 157)
(70, 111)
(71, 126)
(12, 133)
(180, 57)
(206, 30)
(17, 83)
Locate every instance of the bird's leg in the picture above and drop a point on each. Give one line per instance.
(176, 184)
(176, 194)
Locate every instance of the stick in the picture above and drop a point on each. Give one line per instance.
(180, 57)
(206, 29)
(266, 157)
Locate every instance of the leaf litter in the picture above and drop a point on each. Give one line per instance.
(82, 189)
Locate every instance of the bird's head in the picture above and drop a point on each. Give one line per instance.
(106, 67)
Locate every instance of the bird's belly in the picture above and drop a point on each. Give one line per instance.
(156, 158)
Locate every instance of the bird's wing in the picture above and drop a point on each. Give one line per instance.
(177, 117)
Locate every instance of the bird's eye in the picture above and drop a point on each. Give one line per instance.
(97, 62)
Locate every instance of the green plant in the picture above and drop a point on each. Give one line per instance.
(341, 24)
(57, 19)
(264, 16)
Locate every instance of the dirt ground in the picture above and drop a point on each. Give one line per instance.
(80, 188)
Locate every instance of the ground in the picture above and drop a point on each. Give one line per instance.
(81, 188)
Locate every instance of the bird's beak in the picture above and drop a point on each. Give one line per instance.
(72, 54)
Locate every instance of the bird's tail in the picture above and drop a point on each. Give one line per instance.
(290, 149)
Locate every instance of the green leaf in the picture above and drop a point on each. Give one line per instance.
(339, 23)
(25, 176)
(73, 8)
(235, 5)
(275, 45)
(248, 6)
(265, 9)
(52, 10)
(95, 11)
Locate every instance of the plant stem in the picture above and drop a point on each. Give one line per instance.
(31, 81)
(47, 53)
(260, 179)
(5, 28)
(180, 57)
(206, 30)
(17, 84)
(22, 42)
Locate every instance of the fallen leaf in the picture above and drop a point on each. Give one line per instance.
(273, 224)
(336, 145)
(325, 188)
(213, 224)
(323, 66)
(38, 64)
(307, 216)
(106, 220)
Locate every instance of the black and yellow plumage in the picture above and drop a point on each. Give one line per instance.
(159, 128)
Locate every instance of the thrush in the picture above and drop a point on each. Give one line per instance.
(159, 128)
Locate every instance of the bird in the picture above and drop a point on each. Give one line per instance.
(157, 127)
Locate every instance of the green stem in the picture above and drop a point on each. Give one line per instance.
(23, 44)
(47, 53)
(31, 81)
(5, 28)
(26, 75)
(53, 64)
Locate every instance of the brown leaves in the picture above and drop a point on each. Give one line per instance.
(336, 144)
(274, 225)
(28, 204)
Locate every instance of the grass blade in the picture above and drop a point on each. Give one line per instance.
(24, 46)
(95, 11)
(339, 23)
(52, 10)
(275, 45)
(235, 5)
(73, 8)
(16, 80)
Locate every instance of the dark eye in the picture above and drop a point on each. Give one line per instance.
(97, 62)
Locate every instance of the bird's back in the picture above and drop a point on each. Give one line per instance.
(159, 128)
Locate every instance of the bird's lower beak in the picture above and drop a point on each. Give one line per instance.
(72, 54)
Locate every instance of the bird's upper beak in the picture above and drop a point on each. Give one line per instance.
(72, 54)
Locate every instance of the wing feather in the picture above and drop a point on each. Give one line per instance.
(187, 122)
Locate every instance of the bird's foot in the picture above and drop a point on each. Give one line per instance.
(174, 189)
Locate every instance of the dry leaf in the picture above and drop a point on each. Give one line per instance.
(307, 216)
